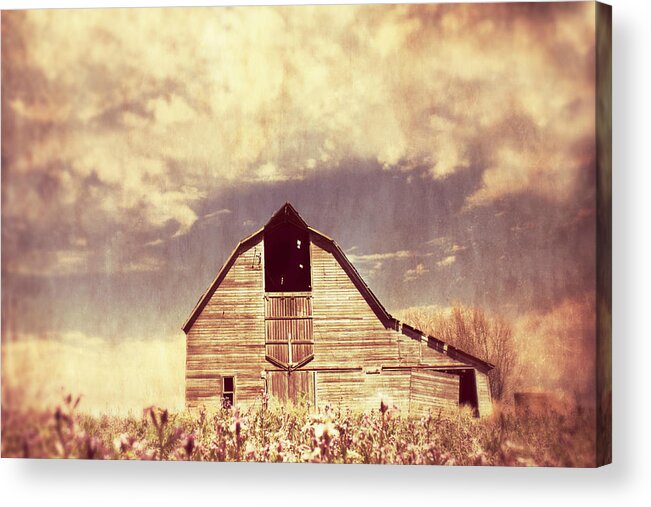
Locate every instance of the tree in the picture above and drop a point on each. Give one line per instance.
(473, 331)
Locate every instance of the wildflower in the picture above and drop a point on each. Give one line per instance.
(118, 443)
(152, 414)
(91, 447)
(188, 445)
(236, 425)
(325, 431)
(249, 452)
(313, 456)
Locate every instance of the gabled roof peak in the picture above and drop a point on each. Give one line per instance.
(286, 214)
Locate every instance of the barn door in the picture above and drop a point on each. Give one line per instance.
(292, 386)
(289, 338)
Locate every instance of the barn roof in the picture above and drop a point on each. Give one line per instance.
(287, 214)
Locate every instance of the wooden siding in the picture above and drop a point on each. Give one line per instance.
(357, 390)
(288, 305)
(415, 392)
(433, 391)
(483, 394)
(227, 338)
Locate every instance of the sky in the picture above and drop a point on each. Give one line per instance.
(448, 149)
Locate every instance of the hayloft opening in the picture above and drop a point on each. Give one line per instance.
(287, 259)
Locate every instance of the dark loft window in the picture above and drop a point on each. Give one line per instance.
(287, 259)
(228, 391)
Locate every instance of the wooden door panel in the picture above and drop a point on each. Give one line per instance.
(301, 351)
(279, 352)
(294, 386)
(289, 334)
(277, 385)
(301, 383)
(288, 306)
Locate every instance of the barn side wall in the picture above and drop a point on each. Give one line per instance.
(227, 337)
(416, 392)
(483, 394)
(435, 392)
(357, 390)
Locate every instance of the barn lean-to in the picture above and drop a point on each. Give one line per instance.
(289, 315)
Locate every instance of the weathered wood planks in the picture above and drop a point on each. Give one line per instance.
(484, 394)
(433, 391)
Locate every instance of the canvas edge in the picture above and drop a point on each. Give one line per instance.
(603, 111)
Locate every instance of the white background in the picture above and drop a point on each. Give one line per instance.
(626, 482)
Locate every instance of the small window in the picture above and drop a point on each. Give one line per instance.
(228, 391)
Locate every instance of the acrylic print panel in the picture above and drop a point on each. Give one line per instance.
(343, 234)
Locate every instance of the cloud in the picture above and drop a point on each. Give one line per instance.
(448, 248)
(447, 261)
(372, 264)
(415, 273)
(381, 256)
(143, 264)
(538, 169)
(373, 270)
(217, 213)
(268, 172)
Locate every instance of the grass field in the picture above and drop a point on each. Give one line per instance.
(294, 434)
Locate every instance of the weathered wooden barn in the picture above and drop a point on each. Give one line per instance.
(289, 315)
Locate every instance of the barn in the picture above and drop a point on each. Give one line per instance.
(289, 315)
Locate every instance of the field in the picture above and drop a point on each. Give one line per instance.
(295, 434)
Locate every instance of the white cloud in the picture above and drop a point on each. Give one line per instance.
(415, 273)
(447, 261)
(269, 172)
(374, 257)
(217, 213)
